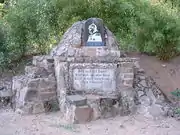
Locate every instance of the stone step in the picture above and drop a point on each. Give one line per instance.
(78, 114)
(76, 100)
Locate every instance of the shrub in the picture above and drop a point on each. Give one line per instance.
(3, 48)
(33, 26)
(159, 32)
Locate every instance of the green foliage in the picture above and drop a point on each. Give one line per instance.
(176, 94)
(34, 26)
(3, 48)
(159, 31)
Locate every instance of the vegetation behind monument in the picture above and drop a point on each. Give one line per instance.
(34, 26)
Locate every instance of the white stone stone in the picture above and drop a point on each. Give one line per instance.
(90, 79)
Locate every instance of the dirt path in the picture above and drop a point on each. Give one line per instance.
(52, 124)
(166, 74)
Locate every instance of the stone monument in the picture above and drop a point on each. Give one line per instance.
(92, 79)
(84, 76)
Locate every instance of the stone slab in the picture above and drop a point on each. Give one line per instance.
(76, 100)
(6, 93)
(83, 114)
(92, 77)
(78, 114)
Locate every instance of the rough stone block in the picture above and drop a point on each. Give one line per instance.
(42, 84)
(80, 114)
(94, 103)
(38, 108)
(51, 105)
(18, 82)
(128, 76)
(36, 72)
(45, 96)
(69, 113)
(127, 64)
(61, 73)
(31, 95)
(127, 103)
(45, 61)
(83, 114)
(128, 82)
(6, 93)
(33, 83)
(76, 100)
(47, 83)
(126, 70)
(89, 51)
(27, 109)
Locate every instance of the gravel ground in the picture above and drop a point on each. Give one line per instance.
(52, 124)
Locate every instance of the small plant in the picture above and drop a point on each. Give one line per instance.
(176, 94)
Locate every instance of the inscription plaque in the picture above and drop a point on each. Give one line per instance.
(94, 34)
(94, 79)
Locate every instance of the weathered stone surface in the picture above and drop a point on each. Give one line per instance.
(38, 108)
(127, 101)
(44, 61)
(94, 102)
(47, 96)
(18, 82)
(83, 114)
(6, 93)
(51, 105)
(93, 77)
(108, 107)
(27, 109)
(36, 72)
(37, 85)
(151, 100)
(61, 72)
(76, 100)
(156, 110)
(77, 114)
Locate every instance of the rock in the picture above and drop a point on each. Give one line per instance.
(94, 103)
(36, 72)
(38, 108)
(6, 93)
(76, 100)
(78, 114)
(163, 65)
(141, 70)
(127, 101)
(156, 111)
(143, 83)
(141, 93)
(51, 105)
(83, 114)
(18, 82)
(145, 101)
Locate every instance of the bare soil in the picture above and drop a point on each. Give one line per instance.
(166, 74)
(52, 124)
